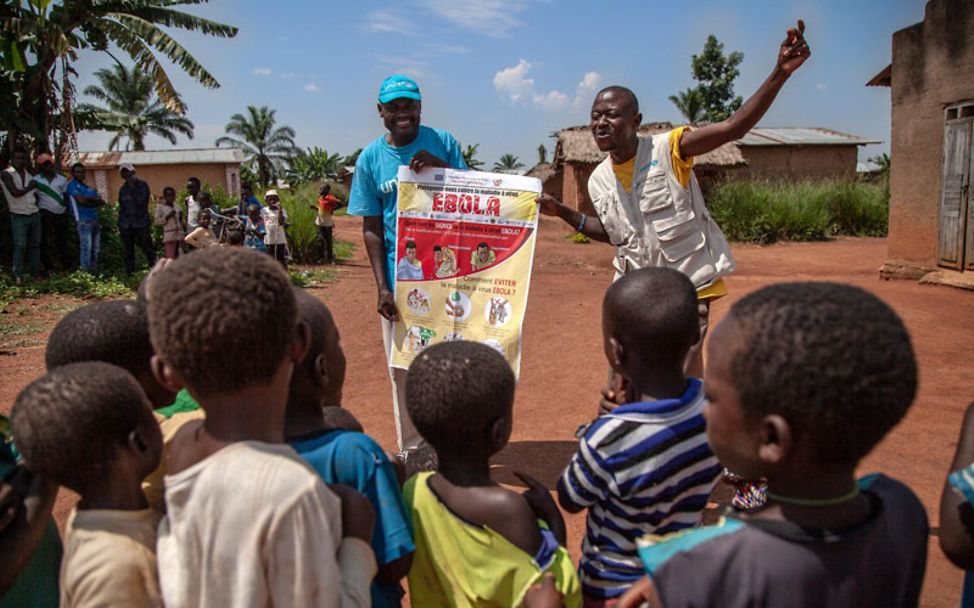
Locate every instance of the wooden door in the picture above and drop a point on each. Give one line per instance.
(955, 194)
(969, 237)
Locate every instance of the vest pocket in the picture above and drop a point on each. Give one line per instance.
(679, 235)
(655, 194)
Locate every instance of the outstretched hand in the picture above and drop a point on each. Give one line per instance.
(794, 50)
(549, 204)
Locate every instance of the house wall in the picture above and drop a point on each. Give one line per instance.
(575, 186)
(218, 175)
(932, 66)
(799, 162)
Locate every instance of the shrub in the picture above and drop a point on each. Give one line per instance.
(301, 206)
(765, 212)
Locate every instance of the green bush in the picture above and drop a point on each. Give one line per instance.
(578, 238)
(78, 284)
(301, 205)
(765, 212)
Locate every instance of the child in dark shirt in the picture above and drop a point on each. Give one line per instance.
(802, 381)
(477, 543)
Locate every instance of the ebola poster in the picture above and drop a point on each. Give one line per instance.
(464, 249)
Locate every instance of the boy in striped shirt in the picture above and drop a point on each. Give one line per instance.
(645, 467)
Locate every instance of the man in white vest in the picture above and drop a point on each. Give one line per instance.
(17, 183)
(647, 200)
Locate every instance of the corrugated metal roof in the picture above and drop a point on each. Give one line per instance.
(798, 136)
(160, 157)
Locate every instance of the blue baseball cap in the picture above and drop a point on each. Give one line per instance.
(397, 86)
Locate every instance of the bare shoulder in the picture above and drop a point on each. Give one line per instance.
(502, 510)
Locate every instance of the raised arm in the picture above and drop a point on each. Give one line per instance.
(793, 52)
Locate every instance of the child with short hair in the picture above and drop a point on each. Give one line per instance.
(343, 456)
(802, 381)
(645, 466)
(248, 522)
(275, 223)
(89, 427)
(202, 237)
(477, 543)
(324, 220)
(117, 332)
(170, 217)
(254, 229)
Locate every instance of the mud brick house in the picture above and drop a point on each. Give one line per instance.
(218, 167)
(764, 153)
(931, 80)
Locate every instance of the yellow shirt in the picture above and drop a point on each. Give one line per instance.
(110, 559)
(463, 565)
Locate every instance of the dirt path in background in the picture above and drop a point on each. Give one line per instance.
(563, 363)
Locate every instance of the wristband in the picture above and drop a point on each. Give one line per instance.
(581, 223)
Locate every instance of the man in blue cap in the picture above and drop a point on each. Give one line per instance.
(374, 197)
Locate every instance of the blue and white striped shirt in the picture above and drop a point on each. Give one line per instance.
(645, 468)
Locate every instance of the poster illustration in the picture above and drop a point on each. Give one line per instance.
(464, 250)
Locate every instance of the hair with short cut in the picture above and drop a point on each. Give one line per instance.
(615, 88)
(653, 313)
(207, 311)
(833, 360)
(313, 311)
(70, 423)
(410, 244)
(76, 165)
(115, 332)
(168, 189)
(482, 244)
(455, 391)
(194, 180)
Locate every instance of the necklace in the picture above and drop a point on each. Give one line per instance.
(814, 502)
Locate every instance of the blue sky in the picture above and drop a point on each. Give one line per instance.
(507, 73)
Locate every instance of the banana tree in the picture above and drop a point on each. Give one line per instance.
(41, 38)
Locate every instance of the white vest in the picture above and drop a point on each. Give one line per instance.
(660, 223)
(21, 205)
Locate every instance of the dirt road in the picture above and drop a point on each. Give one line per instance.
(563, 365)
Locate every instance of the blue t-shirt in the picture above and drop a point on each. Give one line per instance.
(375, 186)
(81, 213)
(354, 459)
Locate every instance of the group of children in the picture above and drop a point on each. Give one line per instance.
(249, 224)
(257, 489)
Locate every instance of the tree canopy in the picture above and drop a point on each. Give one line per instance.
(267, 146)
(716, 74)
(131, 109)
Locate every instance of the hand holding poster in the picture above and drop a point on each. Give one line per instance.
(465, 246)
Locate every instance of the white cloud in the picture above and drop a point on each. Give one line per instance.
(311, 87)
(821, 86)
(494, 18)
(513, 82)
(514, 85)
(552, 100)
(387, 22)
(262, 72)
(586, 88)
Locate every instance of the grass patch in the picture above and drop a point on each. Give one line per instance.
(311, 277)
(578, 238)
(77, 284)
(766, 212)
(8, 328)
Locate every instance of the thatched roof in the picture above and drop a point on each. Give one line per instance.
(543, 171)
(576, 145)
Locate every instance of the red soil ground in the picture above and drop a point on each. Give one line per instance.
(563, 365)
